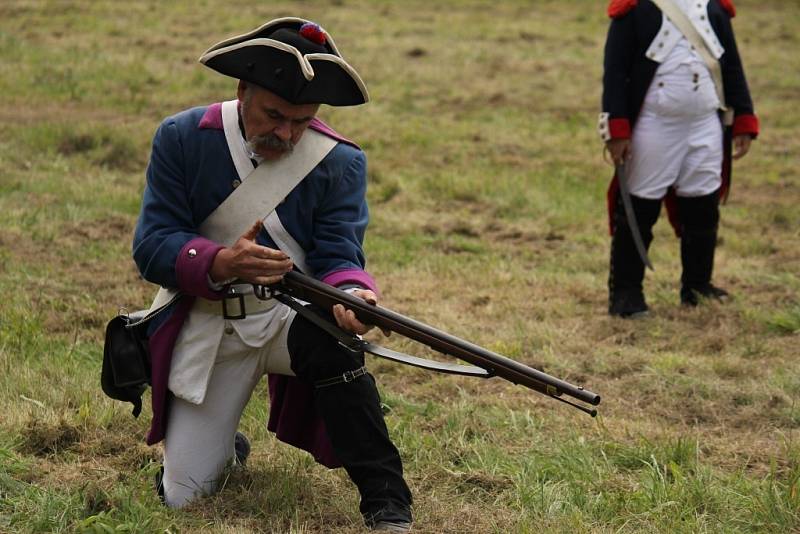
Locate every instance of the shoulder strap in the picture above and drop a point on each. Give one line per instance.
(682, 22)
(262, 189)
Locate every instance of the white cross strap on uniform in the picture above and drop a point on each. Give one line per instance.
(682, 22)
(260, 192)
(264, 187)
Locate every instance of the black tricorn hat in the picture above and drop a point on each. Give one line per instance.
(293, 58)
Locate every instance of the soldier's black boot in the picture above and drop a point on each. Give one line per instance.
(347, 398)
(626, 272)
(699, 221)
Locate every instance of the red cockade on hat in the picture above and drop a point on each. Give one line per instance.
(313, 33)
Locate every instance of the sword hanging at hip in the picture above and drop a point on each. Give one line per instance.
(630, 215)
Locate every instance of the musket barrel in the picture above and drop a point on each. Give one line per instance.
(321, 294)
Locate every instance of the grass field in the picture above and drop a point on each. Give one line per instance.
(487, 187)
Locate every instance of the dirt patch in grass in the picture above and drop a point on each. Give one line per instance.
(44, 439)
(109, 228)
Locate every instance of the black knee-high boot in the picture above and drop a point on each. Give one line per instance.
(354, 422)
(699, 220)
(626, 273)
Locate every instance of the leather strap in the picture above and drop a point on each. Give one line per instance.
(345, 377)
(238, 303)
(354, 343)
(264, 187)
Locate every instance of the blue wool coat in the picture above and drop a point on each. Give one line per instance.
(191, 172)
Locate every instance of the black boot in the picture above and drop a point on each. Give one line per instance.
(699, 220)
(241, 448)
(354, 423)
(626, 273)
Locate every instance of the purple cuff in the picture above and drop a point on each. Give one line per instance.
(192, 267)
(351, 276)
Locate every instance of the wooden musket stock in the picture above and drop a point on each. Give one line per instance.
(322, 295)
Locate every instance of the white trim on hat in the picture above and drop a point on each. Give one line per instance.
(248, 40)
(269, 24)
(305, 61)
(305, 66)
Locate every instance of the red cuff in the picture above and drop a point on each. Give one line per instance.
(192, 267)
(745, 125)
(619, 128)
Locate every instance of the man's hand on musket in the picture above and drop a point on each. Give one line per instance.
(248, 261)
(347, 320)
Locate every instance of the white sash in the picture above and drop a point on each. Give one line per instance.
(262, 189)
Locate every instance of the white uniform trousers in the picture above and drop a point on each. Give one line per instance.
(200, 437)
(677, 140)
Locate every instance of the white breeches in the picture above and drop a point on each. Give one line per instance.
(677, 142)
(199, 439)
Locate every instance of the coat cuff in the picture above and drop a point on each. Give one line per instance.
(745, 125)
(609, 128)
(351, 276)
(192, 267)
(619, 128)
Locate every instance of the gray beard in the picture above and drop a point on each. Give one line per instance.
(270, 142)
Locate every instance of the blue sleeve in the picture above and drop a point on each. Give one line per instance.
(165, 222)
(340, 222)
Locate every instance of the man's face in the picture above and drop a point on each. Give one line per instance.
(272, 125)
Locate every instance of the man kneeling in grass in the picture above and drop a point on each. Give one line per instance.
(212, 172)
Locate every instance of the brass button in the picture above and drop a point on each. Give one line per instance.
(192, 253)
(228, 329)
(236, 183)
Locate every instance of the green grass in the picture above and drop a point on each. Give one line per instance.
(486, 190)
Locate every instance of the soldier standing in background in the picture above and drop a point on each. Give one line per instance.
(664, 121)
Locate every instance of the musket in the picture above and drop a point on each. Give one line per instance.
(296, 287)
